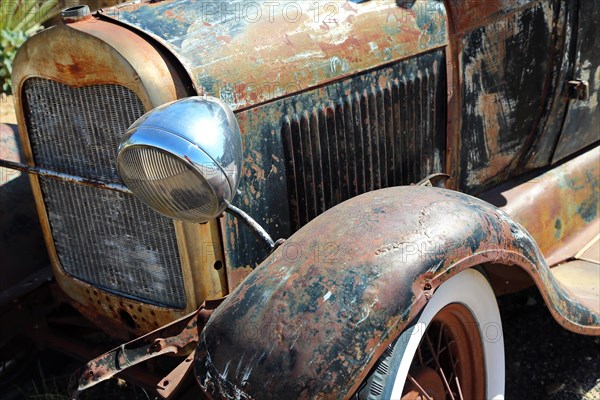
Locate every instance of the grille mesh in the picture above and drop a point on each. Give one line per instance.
(113, 241)
(373, 138)
(108, 239)
(77, 130)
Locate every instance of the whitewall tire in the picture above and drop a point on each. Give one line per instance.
(455, 345)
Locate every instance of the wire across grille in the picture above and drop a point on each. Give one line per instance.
(108, 239)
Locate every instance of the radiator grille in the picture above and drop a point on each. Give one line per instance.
(77, 130)
(108, 239)
(372, 138)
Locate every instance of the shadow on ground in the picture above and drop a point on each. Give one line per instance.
(543, 360)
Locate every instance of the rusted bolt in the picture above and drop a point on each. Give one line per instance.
(427, 286)
(156, 346)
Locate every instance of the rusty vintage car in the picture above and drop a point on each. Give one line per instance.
(314, 199)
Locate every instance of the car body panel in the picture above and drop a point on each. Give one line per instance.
(482, 82)
(332, 138)
(567, 214)
(506, 73)
(111, 48)
(250, 53)
(582, 122)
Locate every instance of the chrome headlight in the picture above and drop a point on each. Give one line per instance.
(184, 158)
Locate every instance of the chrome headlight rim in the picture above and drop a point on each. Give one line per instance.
(185, 152)
(172, 144)
(197, 135)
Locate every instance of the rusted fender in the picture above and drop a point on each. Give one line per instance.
(312, 319)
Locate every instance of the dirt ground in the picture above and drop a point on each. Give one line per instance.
(543, 361)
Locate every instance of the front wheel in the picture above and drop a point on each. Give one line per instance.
(455, 350)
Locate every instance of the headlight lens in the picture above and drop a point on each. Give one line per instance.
(167, 184)
(183, 159)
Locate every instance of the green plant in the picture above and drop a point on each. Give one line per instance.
(19, 19)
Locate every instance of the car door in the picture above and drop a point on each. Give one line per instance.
(582, 122)
(508, 58)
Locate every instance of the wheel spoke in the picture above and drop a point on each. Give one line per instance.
(423, 392)
(437, 362)
(420, 356)
(459, 389)
(439, 341)
(451, 358)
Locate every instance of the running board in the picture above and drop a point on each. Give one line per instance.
(558, 208)
(582, 279)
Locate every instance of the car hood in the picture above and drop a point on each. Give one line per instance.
(248, 53)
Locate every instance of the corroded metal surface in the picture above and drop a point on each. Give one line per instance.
(176, 337)
(466, 15)
(78, 180)
(250, 52)
(560, 209)
(582, 122)
(95, 53)
(320, 311)
(541, 152)
(305, 153)
(506, 76)
(313, 318)
(254, 226)
(582, 278)
(130, 354)
(170, 385)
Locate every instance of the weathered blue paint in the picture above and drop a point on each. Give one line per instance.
(249, 52)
